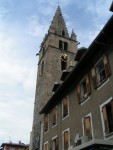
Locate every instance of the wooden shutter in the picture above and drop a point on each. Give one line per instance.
(79, 93)
(57, 143)
(46, 146)
(105, 119)
(107, 66)
(88, 85)
(54, 115)
(87, 127)
(46, 123)
(65, 106)
(94, 77)
(66, 138)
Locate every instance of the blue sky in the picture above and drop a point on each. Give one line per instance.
(23, 24)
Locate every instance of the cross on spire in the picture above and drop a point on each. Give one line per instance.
(58, 2)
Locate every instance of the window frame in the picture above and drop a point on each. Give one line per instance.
(65, 116)
(99, 76)
(52, 122)
(110, 134)
(57, 140)
(67, 130)
(95, 75)
(46, 143)
(63, 33)
(45, 131)
(83, 126)
(63, 45)
(84, 96)
(63, 65)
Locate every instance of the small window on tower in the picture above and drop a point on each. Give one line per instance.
(60, 44)
(63, 33)
(64, 60)
(63, 65)
(42, 68)
(63, 45)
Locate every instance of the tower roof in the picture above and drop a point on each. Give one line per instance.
(58, 25)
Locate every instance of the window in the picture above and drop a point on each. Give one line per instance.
(63, 45)
(54, 143)
(63, 33)
(64, 60)
(63, 65)
(87, 127)
(101, 71)
(54, 116)
(46, 146)
(46, 122)
(66, 140)
(65, 107)
(42, 68)
(83, 89)
(107, 117)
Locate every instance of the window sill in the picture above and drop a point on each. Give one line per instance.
(108, 135)
(64, 117)
(85, 100)
(54, 125)
(102, 84)
(45, 131)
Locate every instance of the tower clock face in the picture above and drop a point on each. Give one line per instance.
(64, 57)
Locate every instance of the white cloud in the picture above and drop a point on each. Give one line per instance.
(17, 81)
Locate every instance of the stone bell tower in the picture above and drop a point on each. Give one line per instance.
(56, 54)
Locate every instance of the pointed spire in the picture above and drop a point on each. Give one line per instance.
(58, 25)
(73, 35)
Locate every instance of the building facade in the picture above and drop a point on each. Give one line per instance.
(14, 146)
(80, 113)
(56, 54)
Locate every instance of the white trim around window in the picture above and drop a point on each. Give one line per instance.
(63, 137)
(103, 84)
(102, 119)
(45, 144)
(68, 109)
(48, 125)
(90, 115)
(56, 117)
(54, 137)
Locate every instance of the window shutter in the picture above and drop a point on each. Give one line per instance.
(94, 77)
(46, 123)
(57, 143)
(46, 146)
(105, 119)
(66, 138)
(88, 85)
(65, 106)
(107, 66)
(87, 127)
(54, 115)
(79, 93)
